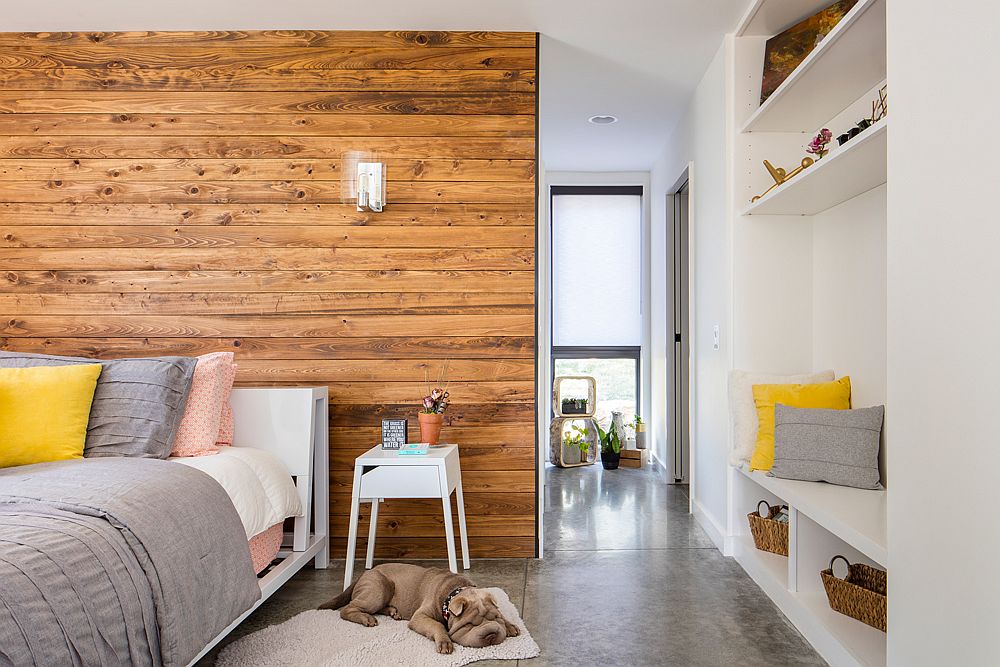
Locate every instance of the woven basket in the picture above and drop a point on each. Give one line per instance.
(861, 595)
(768, 534)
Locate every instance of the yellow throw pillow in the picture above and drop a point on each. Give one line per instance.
(44, 412)
(832, 395)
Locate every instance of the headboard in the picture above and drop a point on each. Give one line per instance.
(279, 420)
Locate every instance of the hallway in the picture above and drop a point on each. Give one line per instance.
(629, 578)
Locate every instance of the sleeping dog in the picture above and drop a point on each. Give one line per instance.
(442, 606)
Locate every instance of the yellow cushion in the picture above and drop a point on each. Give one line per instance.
(831, 395)
(44, 412)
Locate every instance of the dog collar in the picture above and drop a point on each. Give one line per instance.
(448, 599)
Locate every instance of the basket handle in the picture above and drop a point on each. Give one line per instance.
(843, 558)
(767, 514)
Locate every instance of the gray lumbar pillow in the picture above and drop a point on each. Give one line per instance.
(836, 446)
(138, 403)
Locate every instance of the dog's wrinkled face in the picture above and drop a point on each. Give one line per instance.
(475, 620)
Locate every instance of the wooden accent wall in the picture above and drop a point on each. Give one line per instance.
(179, 193)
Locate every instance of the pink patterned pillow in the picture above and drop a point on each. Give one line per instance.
(199, 428)
(226, 426)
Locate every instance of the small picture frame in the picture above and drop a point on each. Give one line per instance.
(393, 433)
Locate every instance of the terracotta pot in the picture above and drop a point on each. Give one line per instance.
(430, 427)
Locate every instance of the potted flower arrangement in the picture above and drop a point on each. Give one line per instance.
(611, 446)
(431, 415)
(818, 144)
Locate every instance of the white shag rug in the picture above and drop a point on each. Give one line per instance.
(321, 638)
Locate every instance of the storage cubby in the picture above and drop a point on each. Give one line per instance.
(809, 292)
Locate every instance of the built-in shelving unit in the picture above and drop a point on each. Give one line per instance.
(846, 172)
(774, 256)
(845, 65)
(857, 516)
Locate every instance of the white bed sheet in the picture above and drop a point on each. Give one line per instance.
(257, 482)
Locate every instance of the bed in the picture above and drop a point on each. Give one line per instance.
(146, 561)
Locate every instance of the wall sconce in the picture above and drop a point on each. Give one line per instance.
(364, 181)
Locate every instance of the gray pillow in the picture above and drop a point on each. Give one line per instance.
(836, 446)
(138, 403)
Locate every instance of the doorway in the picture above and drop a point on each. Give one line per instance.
(678, 328)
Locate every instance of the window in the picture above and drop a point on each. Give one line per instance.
(596, 288)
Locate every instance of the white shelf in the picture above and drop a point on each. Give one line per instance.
(857, 516)
(846, 172)
(846, 64)
(771, 566)
(865, 643)
(840, 639)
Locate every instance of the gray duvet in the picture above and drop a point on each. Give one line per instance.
(117, 561)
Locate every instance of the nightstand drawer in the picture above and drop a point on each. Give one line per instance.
(409, 481)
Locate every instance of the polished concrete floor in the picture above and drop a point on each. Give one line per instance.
(628, 579)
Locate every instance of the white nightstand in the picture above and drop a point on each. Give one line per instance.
(382, 474)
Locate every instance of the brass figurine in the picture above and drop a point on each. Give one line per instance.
(780, 175)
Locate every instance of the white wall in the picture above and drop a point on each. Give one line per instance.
(943, 323)
(849, 311)
(700, 138)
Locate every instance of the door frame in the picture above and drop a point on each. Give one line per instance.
(685, 177)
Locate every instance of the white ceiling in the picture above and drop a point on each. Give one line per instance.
(636, 59)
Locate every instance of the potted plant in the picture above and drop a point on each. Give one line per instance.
(640, 432)
(575, 440)
(431, 415)
(574, 406)
(611, 446)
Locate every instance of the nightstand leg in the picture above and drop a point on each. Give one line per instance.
(371, 534)
(462, 531)
(449, 531)
(352, 535)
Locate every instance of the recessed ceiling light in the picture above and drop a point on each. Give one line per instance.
(603, 120)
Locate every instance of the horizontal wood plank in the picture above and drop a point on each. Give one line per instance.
(111, 57)
(312, 147)
(278, 348)
(234, 77)
(289, 259)
(481, 504)
(271, 303)
(273, 38)
(14, 215)
(226, 192)
(478, 436)
(462, 414)
(155, 170)
(296, 326)
(401, 548)
(275, 124)
(475, 481)
(384, 370)
(473, 458)
(52, 281)
(427, 525)
(264, 237)
(263, 102)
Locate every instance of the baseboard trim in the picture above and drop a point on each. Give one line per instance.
(712, 528)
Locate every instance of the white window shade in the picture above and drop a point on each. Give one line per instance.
(596, 270)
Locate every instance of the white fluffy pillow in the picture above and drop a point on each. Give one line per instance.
(743, 412)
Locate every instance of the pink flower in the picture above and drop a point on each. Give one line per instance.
(428, 402)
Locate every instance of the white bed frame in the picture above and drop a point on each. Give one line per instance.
(292, 424)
